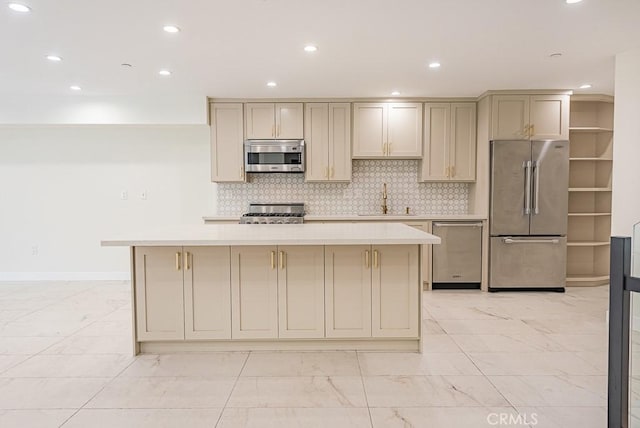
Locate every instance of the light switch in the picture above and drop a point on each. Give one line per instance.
(124, 195)
(143, 195)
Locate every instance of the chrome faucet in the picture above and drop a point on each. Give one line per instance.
(384, 198)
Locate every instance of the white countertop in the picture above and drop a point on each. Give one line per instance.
(277, 234)
(355, 217)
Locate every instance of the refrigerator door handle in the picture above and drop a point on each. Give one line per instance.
(527, 187)
(536, 187)
(530, 241)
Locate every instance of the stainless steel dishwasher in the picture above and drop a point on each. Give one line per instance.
(457, 261)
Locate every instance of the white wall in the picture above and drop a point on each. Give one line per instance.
(626, 145)
(80, 108)
(60, 189)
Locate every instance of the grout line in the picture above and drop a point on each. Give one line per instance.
(366, 398)
(233, 388)
(133, 360)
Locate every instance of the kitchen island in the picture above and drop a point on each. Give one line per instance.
(276, 287)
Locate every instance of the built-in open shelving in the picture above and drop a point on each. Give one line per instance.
(590, 167)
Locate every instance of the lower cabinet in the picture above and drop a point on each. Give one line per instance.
(254, 292)
(348, 290)
(301, 291)
(378, 299)
(182, 293)
(270, 292)
(395, 296)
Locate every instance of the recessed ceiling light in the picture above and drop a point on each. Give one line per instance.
(585, 86)
(573, 1)
(434, 65)
(126, 65)
(17, 7)
(171, 29)
(272, 84)
(75, 88)
(54, 58)
(555, 55)
(164, 73)
(310, 48)
(395, 93)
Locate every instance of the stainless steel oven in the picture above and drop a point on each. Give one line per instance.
(274, 155)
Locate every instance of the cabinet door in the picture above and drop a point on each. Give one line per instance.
(158, 291)
(254, 292)
(510, 117)
(395, 291)
(550, 117)
(227, 157)
(405, 130)
(369, 130)
(301, 291)
(207, 293)
(316, 136)
(462, 147)
(437, 126)
(348, 291)
(289, 120)
(260, 120)
(340, 142)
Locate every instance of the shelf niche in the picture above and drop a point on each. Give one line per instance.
(590, 168)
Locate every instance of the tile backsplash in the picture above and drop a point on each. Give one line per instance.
(363, 195)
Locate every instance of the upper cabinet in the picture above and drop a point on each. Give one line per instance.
(327, 134)
(449, 142)
(273, 120)
(226, 142)
(387, 130)
(530, 117)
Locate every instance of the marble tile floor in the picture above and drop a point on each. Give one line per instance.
(500, 359)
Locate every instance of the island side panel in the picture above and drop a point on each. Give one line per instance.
(132, 264)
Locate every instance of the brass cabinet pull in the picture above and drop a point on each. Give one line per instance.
(273, 130)
(526, 130)
(273, 260)
(187, 257)
(278, 131)
(389, 145)
(241, 171)
(446, 172)
(453, 171)
(533, 130)
(375, 258)
(282, 253)
(384, 149)
(331, 172)
(366, 259)
(326, 172)
(178, 257)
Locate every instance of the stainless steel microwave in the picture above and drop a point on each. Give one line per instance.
(274, 155)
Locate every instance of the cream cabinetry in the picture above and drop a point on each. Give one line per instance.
(273, 120)
(530, 117)
(449, 142)
(371, 291)
(227, 158)
(590, 172)
(277, 292)
(348, 290)
(394, 296)
(382, 130)
(254, 292)
(327, 134)
(301, 291)
(182, 293)
(207, 293)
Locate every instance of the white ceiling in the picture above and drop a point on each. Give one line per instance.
(367, 48)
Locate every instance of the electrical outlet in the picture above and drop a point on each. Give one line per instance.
(124, 195)
(143, 195)
(34, 250)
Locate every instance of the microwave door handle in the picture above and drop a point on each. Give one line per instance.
(527, 187)
(536, 187)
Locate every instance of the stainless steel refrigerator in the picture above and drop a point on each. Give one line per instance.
(528, 214)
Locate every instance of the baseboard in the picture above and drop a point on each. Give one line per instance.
(65, 276)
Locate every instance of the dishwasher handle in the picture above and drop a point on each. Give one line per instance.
(458, 224)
